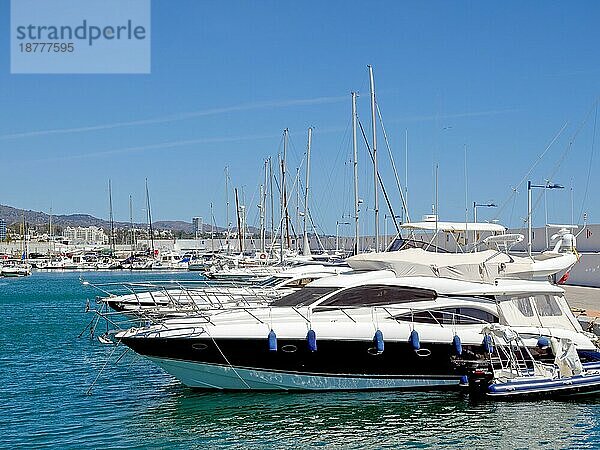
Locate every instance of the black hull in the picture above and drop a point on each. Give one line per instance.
(332, 357)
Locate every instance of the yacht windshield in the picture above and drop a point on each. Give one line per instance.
(401, 244)
(303, 297)
(272, 281)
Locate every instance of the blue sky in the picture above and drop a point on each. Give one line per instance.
(228, 77)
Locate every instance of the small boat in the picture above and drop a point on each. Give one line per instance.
(171, 261)
(513, 373)
(15, 268)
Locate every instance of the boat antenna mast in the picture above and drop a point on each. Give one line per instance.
(375, 170)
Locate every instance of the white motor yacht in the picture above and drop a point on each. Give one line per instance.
(401, 319)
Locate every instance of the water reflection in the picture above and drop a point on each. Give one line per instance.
(370, 420)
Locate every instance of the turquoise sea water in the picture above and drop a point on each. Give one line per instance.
(45, 371)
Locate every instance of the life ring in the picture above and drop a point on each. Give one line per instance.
(263, 256)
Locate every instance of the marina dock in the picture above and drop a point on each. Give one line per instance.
(585, 303)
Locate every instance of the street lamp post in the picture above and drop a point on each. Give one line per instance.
(479, 205)
(530, 186)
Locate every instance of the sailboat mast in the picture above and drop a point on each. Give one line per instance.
(212, 228)
(227, 207)
(110, 220)
(284, 187)
(272, 204)
(281, 208)
(305, 243)
(50, 238)
(406, 170)
(150, 219)
(436, 207)
(24, 240)
(239, 222)
(375, 169)
(355, 164)
(297, 226)
(131, 229)
(263, 207)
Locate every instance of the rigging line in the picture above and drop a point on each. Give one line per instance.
(587, 184)
(255, 192)
(570, 147)
(218, 187)
(283, 217)
(89, 391)
(227, 361)
(328, 202)
(536, 162)
(398, 184)
(292, 147)
(387, 199)
(572, 140)
(512, 211)
(316, 230)
(214, 221)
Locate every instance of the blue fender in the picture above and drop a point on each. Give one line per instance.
(378, 340)
(457, 345)
(272, 341)
(414, 340)
(311, 339)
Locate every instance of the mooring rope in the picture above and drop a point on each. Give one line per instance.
(227, 361)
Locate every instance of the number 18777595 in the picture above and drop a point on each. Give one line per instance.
(48, 47)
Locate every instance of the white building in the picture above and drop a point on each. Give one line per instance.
(197, 224)
(87, 235)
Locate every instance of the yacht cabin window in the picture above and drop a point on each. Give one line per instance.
(547, 305)
(299, 282)
(304, 296)
(378, 295)
(524, 306)
(450, 316)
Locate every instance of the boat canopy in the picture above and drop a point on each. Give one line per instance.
(453, 227)
(486, 266)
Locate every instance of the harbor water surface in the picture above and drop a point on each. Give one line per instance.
(46, 370)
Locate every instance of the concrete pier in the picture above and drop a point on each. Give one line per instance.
(585, 303)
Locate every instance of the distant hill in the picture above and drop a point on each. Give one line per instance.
(15, 215)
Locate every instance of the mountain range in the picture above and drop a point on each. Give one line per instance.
(15, 215)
